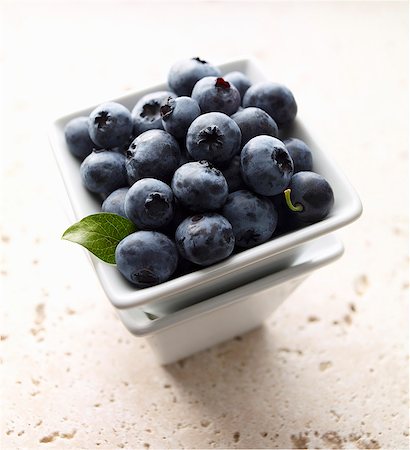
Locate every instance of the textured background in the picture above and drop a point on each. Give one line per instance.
(330, 368)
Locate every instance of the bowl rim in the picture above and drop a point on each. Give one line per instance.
(350, 211)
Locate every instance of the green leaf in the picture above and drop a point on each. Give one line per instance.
(100, 234)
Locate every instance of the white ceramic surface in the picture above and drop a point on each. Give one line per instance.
(229, 314)
(236, 270)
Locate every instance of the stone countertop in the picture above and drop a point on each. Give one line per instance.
(330, 367)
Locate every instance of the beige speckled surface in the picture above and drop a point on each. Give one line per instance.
(330, 368)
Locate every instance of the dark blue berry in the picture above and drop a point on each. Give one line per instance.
(178, 114)
(253, 218)
(199, 186)
(311, 196)
(104, 172)
(254, 122)
(146, 258)
(300, 153)
(146, 114)
(214, 137)
(185, 73)
(277, 100)
(153, 154)
(216, 94)
(110, 125)
(114, 203)
(78, 138)
(266, 165)
(205, 239)
(149, 204)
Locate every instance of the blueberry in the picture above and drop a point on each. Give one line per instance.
(277, 100)
(233, 176)
(153, 154)
(309, 197)
(253, 218)
(146, 114)
(200, 186)
(78, 138)
(239, 80)
(178, 114)
(266, 165)
(214, 137)
(185, 73)
(254, 122)
(146, 258)
(149, 204)
(104, 171)
(114, 203)
(300, 153)
(216, 94)
(110, 125)
(205, 239)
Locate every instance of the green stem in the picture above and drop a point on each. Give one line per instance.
(297, 207)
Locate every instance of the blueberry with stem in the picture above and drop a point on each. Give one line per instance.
(309, 197)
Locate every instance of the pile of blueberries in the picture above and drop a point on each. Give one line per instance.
(199, 170)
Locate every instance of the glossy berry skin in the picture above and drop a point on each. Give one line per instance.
(146, 114)
(146, 258)
(114, 203)
(233, 176)
(253, 218)
(104, 172)
(199, 186)
(153, 154)
(177, 114)
(149, 204)
(78, 138)
(266, 165)
(300, 153)
(205, 239)
(239, 80)
(216, 94)
(110, 125)
(214, 137)
(184, 74)
(254, 122)
(277, 100)
(314, 193)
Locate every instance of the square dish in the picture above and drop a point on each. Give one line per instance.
(210, 322)
(236, 270)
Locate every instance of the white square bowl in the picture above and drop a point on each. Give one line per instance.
(231, 313)
(238, 269)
